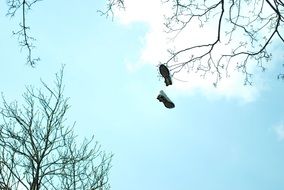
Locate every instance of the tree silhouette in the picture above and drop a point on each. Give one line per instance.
(38, 151)
(244, 27)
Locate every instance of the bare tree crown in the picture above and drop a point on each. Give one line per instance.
(37, 150)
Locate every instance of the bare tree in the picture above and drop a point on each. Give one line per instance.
(37, 150)
(246, 27)
(23, 7)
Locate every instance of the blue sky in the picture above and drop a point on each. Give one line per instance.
(213, 140)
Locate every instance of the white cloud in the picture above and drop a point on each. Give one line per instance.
(279, 130)
(157, 43)
(148, 11)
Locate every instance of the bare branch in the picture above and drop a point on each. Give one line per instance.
(248, 28)
(110, 6)
(25, 40)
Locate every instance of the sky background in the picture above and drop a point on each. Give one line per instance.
(231, 137)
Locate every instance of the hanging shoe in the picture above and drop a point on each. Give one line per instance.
(162, 97)
(166, 74)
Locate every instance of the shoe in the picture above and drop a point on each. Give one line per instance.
(166, 74)
(162, 97)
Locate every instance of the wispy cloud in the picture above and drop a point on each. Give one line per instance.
(157, 42)
(279, 130)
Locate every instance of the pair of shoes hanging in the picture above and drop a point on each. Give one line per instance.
(162, 97)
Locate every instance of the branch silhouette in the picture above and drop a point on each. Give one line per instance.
(247, 32)
(25, 40)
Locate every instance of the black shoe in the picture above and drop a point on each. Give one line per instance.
(166, 74)
(162, 97)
